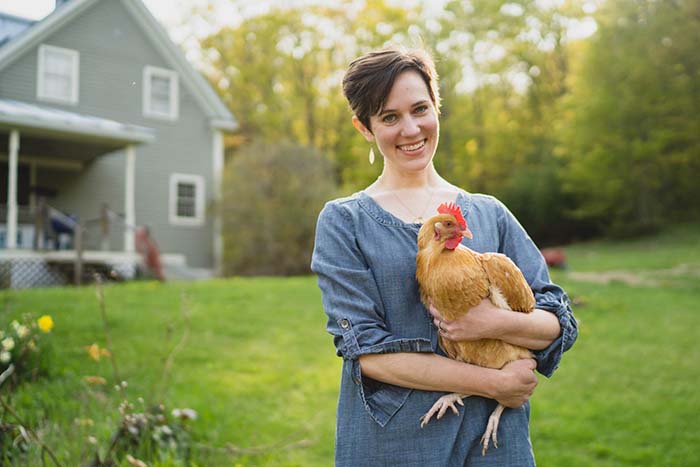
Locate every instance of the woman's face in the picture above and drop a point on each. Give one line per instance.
(407, 129)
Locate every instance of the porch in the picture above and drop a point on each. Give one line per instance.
(49, 237)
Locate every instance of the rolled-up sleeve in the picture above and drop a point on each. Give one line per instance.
(356, 315)
(517, 244)
(351, 299)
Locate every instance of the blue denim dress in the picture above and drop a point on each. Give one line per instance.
(365, 259)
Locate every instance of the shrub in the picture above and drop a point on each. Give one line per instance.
(271, 199)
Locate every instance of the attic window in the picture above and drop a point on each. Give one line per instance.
(58, 74)
(160, 93)
(186, 199)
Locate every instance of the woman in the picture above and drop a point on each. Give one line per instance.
(364, 256)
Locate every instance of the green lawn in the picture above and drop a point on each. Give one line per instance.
(261, 372)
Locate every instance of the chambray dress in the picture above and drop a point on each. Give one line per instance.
(364, 258)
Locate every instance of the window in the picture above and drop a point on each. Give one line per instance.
(186, 199)
(57, 75)
(160, 93)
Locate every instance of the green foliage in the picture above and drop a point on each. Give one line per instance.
(632, 141)
(272, 197)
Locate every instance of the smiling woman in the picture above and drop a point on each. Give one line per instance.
(365, 259)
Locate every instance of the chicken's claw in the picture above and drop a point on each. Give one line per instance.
(440, 407)
(491, 432)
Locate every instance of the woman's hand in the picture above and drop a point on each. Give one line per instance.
(480, 323)
(518, 382)
(535, 330)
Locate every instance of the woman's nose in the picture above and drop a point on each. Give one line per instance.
(410, 127)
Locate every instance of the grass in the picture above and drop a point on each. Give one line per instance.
(261, 372)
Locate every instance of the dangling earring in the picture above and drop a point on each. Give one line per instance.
(371, 155)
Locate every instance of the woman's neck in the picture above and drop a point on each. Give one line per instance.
(394, 180)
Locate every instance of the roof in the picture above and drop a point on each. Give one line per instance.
(11, 26)
(219, 115)
(38, 119)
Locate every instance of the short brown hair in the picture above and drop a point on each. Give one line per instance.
(369, 78)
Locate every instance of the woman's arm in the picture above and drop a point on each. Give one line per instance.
(535, 330)
(512, 386)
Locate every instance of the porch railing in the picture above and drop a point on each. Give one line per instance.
(53, 229)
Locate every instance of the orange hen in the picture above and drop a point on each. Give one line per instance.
(455, 279)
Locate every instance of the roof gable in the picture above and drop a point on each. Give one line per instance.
(219, 115)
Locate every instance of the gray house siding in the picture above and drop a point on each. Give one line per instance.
(113, 53)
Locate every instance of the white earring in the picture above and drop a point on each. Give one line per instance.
(371, 155)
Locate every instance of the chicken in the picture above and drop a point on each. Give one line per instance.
(455, 279)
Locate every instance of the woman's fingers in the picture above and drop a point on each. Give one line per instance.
(433, 311)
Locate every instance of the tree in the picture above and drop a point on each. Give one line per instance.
(632, 140)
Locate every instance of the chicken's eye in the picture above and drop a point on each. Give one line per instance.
(448, 224)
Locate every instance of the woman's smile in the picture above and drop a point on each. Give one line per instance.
(413, 147)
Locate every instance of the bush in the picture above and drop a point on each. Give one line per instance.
(272, 196)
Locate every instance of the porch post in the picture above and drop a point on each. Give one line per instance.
(218, 164)
(130, 200)
(11, 234)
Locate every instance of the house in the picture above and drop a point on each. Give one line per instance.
(105, 123)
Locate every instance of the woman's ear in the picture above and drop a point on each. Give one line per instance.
(362, 129)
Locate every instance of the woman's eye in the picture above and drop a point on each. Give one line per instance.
(389, 118)
(421, 108)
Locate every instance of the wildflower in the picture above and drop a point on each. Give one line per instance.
(14, 324)
(5, 356)
(22, 331)
(95, 352)
(185, 414)
(92, 440)
(45, 323)
(8, 343)
(95, 380)
(31, 345)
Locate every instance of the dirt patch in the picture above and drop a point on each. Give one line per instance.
(644, 278)
(607, 277)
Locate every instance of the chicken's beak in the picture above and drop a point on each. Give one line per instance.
(467, 233)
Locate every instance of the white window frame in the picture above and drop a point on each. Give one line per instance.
(74, 56)
(198, 182)
(150, 72)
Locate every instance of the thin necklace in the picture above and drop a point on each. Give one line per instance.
(417, 218)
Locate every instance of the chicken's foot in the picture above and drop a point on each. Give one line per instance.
(491, 432)
(441, 405)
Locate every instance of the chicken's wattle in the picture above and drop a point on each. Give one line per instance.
(453, 242)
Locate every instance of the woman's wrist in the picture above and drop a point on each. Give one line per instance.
(502, 323)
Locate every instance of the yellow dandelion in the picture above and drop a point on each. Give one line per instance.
(45, 323)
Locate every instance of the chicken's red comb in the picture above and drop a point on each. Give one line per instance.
(452, 208)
